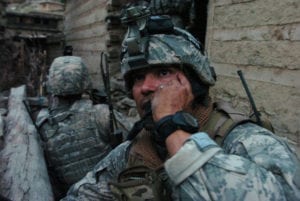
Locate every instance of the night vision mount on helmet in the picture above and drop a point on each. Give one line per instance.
(153, 41)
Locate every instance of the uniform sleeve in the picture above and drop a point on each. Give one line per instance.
(94, 186)
(101, 112)
(210, 174)
(269, 151)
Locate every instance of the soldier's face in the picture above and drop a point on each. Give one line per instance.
(147, 85)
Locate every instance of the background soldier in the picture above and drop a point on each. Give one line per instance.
(75, 133)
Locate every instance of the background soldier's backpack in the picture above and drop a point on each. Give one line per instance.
(72, 143)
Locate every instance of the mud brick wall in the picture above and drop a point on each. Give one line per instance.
(261, 38)
(85, 30)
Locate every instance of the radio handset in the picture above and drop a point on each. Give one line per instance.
(145, 122)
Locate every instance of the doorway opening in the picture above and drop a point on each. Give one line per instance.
(199, 30)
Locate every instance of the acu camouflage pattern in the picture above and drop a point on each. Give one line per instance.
(223, 176)
(178, 49)
(247, 169)
(268, 151)
(95, 185)
(68, 75)
(75, 139)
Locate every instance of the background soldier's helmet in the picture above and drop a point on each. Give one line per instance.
(68, 75)
(160, 44)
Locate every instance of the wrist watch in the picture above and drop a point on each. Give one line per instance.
(178, 121)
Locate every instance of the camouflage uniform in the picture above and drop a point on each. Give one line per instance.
(252, 164)
(75, 134)
(248, 163)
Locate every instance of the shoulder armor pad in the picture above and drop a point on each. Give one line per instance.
(42, 117)
(234, 114)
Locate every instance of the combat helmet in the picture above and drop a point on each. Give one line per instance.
(153, 41)
(68, 75)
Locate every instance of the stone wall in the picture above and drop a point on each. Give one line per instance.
(261, 38)
(85, 30)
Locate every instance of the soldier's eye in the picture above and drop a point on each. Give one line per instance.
(137, 77)
(163, 72)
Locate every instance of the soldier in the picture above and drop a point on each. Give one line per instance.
(185, 147)
(74, 132)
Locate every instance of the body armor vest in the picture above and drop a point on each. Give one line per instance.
(72, 144)
(220, 122)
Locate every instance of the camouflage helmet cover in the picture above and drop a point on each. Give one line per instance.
(68, 75)
(177, 49)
